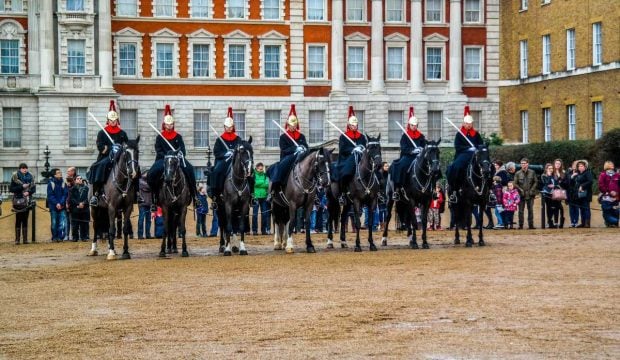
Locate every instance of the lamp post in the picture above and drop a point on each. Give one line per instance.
(208, 171)
(46, 173)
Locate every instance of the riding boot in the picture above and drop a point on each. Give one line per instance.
(18, 231)
(25, 234)
(153, 201)
(561, 226)
(94, 200)
(396, 194)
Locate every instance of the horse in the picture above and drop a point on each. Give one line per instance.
(310, 172)
(234, 203)
(419, 187)
(474, 190)
(120, 194)
(175, 197)
(363, 190)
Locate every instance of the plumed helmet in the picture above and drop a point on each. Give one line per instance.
(412, 119)
(168, 118)
(112, 114)
(352, 118)
(229, 122)
(292, 117)
(467, 118)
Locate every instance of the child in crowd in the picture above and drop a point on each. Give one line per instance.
(159, 222)
(511, 201)
(498, 191)
(202, 209)
(434, 218)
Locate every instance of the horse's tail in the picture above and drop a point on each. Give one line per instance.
(280, 214)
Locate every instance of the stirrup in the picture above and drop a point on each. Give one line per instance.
(342, 200)
(396, 194)
(453, 199)
(94, 200)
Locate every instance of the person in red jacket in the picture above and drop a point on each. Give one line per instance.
(434, 216)
(609, 187)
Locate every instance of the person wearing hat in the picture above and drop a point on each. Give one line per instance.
(23, 187)
(289, 151)
(223, 152)
(464, 152)
(408, 153)
(101, 168)
(345, 166)
(168, 136)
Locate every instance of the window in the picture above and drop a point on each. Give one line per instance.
(525, 125)
(7, 173)
(523, 58)
(433, 63)
(597, 44)
(271, 9)
(434, 124)
(126, 8)
(545, 2)
(9, 56)
(200, 58)
(201, 128)
(395, 60)
(524, 4)
(164, 59)
(236, 9)
(433, 10)
(77, 127)
(315, 10)
(272, 61)
(239, 118)
(394, 11)
(13, 6)
(572, 122)
(164, 8)
(546, 54)
(547, 123)
(201, 9)
(472, 11)
(316, 122)
(316, 62)
(11, 127)
(360, 115)
(473, 64)
(199, 173)
(355, 10)
(236, 58)
(598, 119)
(394, 132)
(76, 62)
(130, 122)
(127, 59)
(570, 49)
(355, 63)
(75, 5)
(272, 133)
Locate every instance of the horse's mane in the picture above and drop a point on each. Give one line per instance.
(307, 153)
(132, 144)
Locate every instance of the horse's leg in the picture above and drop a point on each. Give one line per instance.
(290, 226)
(424, 222)
(480, 237)
(357, 223)
(126, 229)
(245, 211)
(183, 216)
(307, 215)
(222, 220)
(277, 237)
(371, 223)
(388, 218)
(330, 227)
(111, 234)
(229, 228)
(412, 226)
(93, 245)
(343, 225)
(457, 224)
(468, 214)
(175, 224)
(162, 251)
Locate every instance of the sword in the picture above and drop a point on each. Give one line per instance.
(340, 131)
(101, 126)
(217, 136)
(405, 132)
(459, 131)
(285, 132)
(159, 133)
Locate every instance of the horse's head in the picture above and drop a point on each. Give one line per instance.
(322, 161)
(129, 155)
(430, 155)
(244, 157)
(373, 148)
(483, 159)
(172, 163)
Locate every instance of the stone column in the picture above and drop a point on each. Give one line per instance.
(105, 45)
(415, 61)
(337, 55)
(455, 84)
(46, 43)
(34, 66)
(376, 48)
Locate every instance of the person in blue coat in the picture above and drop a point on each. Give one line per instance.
(289, 151)
(348, 154)
(408, 153)
(154, 176)
(464, 153)
(223, 152)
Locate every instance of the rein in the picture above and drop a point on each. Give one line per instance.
(373, 177)
(176, 180)
(124, 176)
(478, 175)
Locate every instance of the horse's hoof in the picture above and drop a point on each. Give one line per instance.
(373, 247)
(111, 257)
(175, 251)
(93, 253)
(344, 245)
(162, 254)
(290, 250)
(425, 246)
(358, 249)
(184, 254)
(126, 256)
(468, 244)
(384, 242)
(481, 243)
(235, 249)
(243, 252)
(277, 247)
(457, 241)
(222, 249)
(413, 245)
(227, 253)
(330, 246)
(168, 251)
(310, 250)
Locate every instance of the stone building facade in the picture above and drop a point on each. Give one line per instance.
(67, 58)
(559, 70)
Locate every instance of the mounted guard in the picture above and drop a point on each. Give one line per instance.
(223, 152)
(347, 159)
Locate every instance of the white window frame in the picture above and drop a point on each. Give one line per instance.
(132, 131)
(128, 35)
(402, 13)
(525, 127)
(273, 38)
(403, 67)
(480, 64)
(546, 54)
(85, 129)
(523, 71)
(240, 120)
(133, 3)
(238, 37)
(313, 129)
(201, 37)
(157, 3)
(570, 49)
(597, 108)
(324, 70)
(442, 16)
(545, 2)
(571, 115)
(357, 40)
(12, 30)
(324, 15)
(246, 11)
(443, 62)
(165, 36)
(394, 132)
(209, 6)
(206, 131)
(524, 4)
(270, 129)
(363, 18)
(21, 8)
(280, 11)
(597, 43)
(363, 62)
(120, 59)
(83, 9)
(429, 116)
(392, 41)
(547, 123)
(19, 129)
(83, 42)
(480, 12)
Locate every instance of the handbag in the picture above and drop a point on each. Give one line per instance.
(20, 203)
(582, 194)
(558, 194)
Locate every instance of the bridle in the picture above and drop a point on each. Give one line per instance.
(172, 187)
(419, 166)
(477, 172)
(130, 168)
(247, 169)
(374, 160)
(309, 186)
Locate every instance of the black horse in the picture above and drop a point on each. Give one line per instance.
(233, 206)
(175, 197)
(419, 186)
(120, 193)
(474, 190)
(363, 190)
(309, 173)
